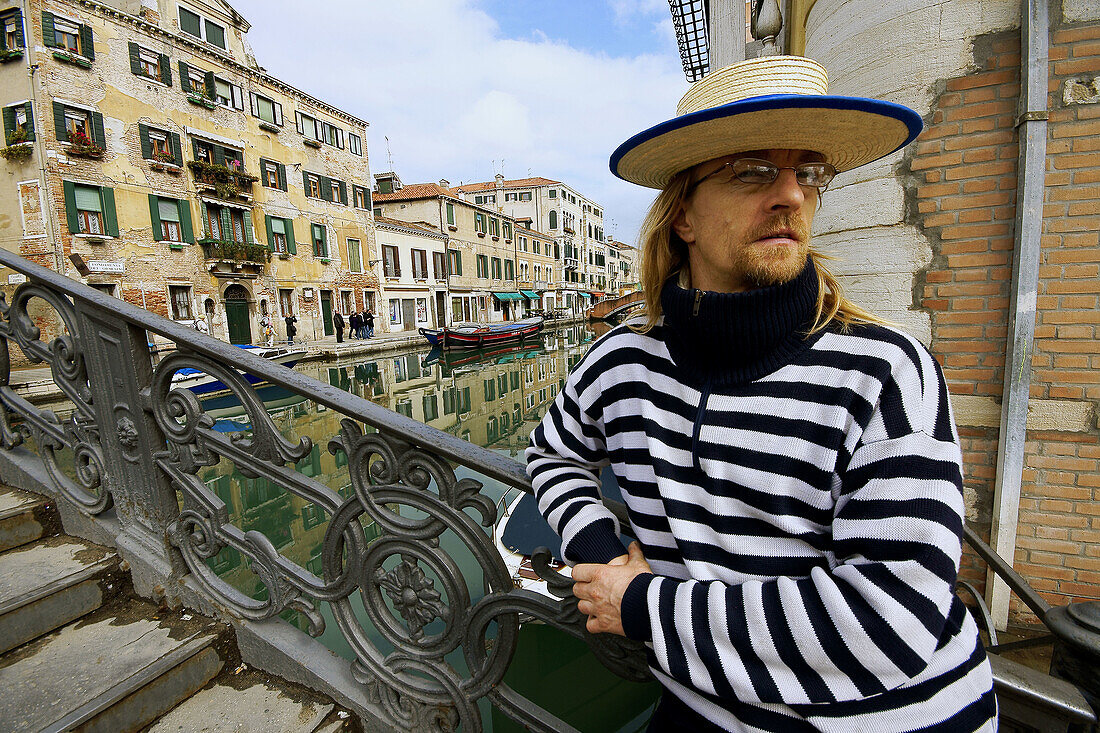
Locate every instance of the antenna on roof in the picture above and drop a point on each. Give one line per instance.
(389, 156)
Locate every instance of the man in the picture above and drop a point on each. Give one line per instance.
(355, 324)
(368, 322)
(338, 323)
(291, 329)
(789, 463)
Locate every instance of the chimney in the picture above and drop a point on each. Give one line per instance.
(500, 180)
(444, 183)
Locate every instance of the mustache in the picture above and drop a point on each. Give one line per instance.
(789, 223)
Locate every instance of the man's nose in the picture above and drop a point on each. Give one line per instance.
(785, 191)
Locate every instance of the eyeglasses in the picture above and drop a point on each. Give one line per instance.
(758, 172)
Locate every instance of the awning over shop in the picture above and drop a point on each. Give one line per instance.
(507, 296)
(530, 295)
(586, 296)
(599, 295)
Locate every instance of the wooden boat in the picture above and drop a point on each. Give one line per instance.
(481, 335)
(202, 383)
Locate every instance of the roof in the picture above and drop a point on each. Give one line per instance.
(416, 191)
(408, 225)
(536, 232)
(517, 183)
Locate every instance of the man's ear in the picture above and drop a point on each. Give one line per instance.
(682, 227)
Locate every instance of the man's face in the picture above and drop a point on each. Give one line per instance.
(742, 236)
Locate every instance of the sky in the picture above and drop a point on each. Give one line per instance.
(464, 89)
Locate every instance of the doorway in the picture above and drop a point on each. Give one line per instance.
(408, 314)
(326, 312)
(236, 315)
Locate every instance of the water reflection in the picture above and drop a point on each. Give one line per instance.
(493, 398)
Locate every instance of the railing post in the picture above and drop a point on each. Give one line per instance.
(119, 365)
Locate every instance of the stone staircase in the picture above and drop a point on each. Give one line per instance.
(78, 651)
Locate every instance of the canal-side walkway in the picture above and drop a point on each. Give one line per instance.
(35, 383)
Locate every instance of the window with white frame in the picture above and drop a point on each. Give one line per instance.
(159, 144)
(67, 35)
(228, 94)
(266, 109)
(308, 126)
(89, 209)
(395, 311)
(355, 144)
(149, 63)
(278, 235)
(13, 32)
(169, 213)
(78, 122)
(179, 296)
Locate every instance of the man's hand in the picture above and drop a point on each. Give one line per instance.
(599, 589)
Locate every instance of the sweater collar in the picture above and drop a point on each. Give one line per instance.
(731, 338)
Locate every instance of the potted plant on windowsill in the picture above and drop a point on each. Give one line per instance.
(201, 100)
(166, 162)
(71, 57)
(19, 147)
(82, 146)
(11, 54)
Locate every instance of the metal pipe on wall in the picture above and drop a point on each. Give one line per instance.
(1031, 172)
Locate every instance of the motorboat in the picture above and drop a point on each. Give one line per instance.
(481, 335)
(202, 383)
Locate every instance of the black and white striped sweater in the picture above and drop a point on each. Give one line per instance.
(799, 501)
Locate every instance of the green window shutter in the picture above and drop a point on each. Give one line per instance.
(326, 188)
(290, 245)
(110, 218)
(450, 213)
(186, 229)
(146, 145)
(87, 42)
(270, 235)
(280, 169)
(227, 225)
(154, 216)
(305, 182)
(59, 122)
(166, 69)
(185, 77)
(343, 193)
(19, 31)
(177, 151)
(219, 155)
(70, 205)
(249, 233)
(135, 60)
(97, 130)
(211, 90)
(9, 122)
(30, 120)
(49, 37)
(195, 148)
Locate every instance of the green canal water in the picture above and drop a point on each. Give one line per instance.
(493, 400)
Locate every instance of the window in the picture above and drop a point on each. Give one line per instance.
(150, 64)
(479, 223)
(420, 264)
(320, 240)
(450, 213)
(90, 209)
(286, 302)
(280, 235)
(496, 268)
(11, 29)
(171, 219)
(266, 109)
(325, 188)
(511, 197)
(553, 193)
(228, 94)
(227, 224)
(525, 196)
(313, 185)
(395, 312)
(456, 262)
(180, 298)
(196, 82)
(161, 146)
(18, 123)
(439, 265)
(508, 231)
(354, 256)
(307, 126)
(68, 35)
(272, 174)
(509, 270)
(391, 263)
(482, 266)
(553, 219)
(361, 196)
(194, 24)
(332, 135)
(494, 226)
(431, 407)
(355, 144)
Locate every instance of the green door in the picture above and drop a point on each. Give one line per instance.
(326, 311)
(236, 316)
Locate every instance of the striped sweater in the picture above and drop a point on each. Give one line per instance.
(799, 500)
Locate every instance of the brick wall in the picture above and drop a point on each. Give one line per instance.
(961, 185)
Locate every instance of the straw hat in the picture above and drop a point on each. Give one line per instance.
(761, 104)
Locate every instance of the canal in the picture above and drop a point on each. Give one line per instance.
(490, 399)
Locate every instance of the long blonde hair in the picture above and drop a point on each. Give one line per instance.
(664, 253)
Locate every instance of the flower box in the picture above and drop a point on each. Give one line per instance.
(11, 55)
(72, 58)
(226, 182)
(82, 146)
(202, 100)
(164, 167)
(217, 249)
(269, 127)
(17, 152)
(312, 143)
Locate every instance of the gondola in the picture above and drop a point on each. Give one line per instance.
(481, 335)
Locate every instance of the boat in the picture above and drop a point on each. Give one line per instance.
(202, 383)
(491, 355)
(480, 335)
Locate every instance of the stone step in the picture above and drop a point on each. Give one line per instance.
(250, 702)
(115, 670)
(24, 518)
(47, 584)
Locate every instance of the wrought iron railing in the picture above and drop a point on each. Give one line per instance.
(139, 444)
(221, 249)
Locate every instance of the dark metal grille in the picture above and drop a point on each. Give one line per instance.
(689, 18)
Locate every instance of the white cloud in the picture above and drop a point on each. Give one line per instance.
(453, 96)
(627, 11)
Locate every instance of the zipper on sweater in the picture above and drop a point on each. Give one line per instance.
(699, 415)
(698, 300)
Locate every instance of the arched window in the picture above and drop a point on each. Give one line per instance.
(553, 219)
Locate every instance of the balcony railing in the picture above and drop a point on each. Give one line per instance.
(226, 183)
(220, 249)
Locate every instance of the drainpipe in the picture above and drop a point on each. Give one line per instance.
(1031, 167)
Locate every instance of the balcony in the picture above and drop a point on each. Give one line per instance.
(226, 183)
(221, 250)
(540, 285)
(570, 263)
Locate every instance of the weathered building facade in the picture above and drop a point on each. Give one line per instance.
(153, 158)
